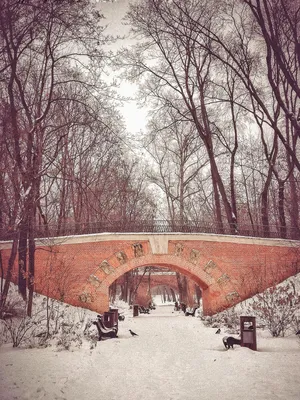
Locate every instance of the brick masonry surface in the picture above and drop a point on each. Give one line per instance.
(80, 269)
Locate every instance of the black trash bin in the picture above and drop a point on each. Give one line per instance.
(248, 332)
(136, 310)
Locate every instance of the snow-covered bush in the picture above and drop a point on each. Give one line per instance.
(295, 325)
(22, 329)
(16, 327)
(229, 318)
(52, 323)
(4, 334)
(69, 336)
(69, 326)
(277, 307)
(14, 304)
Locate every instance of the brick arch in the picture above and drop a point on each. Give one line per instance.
(143, 295)
(162, 260)
(119, 263)
(168, 280)
(167, 284)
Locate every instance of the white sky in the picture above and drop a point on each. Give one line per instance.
(114, 12)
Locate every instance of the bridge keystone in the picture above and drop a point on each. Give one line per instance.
(159, 244)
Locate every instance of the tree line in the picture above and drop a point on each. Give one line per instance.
(63, 152)
(221, 82)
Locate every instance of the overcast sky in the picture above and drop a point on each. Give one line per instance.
(114, 12)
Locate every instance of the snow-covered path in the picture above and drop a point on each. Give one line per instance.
(173, 358)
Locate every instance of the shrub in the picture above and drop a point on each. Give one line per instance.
(276, 308)
(68, 336)
(228, 318)
(52, 323)
(22, 329)
(14, 305)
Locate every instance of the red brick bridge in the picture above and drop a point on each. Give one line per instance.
(80, 269)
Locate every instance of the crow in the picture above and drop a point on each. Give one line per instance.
(133, 333)
(218, 331)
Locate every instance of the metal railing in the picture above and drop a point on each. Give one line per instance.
(157, 226)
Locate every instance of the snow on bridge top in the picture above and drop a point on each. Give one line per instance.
(157, 227)
(159, 241)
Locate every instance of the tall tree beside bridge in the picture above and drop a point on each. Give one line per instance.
(176, 72)
(278, 27)
(188, 49)
(46, 48)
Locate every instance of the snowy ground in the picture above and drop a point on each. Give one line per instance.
(173, 358)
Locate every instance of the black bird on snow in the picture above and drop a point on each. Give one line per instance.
(133, 333)
(218, 331)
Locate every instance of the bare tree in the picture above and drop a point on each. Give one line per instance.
(237, 56)
(176, 71)
(42, 46)
(279, 23)
(175, 148)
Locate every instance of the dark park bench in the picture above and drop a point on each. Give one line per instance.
(144, 310)
(104, 331)
(192, 313)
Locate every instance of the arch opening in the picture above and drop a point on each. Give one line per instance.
(150, 284)
(164, 294)
(115, 267)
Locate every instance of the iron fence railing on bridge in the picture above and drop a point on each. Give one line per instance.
(156, 226)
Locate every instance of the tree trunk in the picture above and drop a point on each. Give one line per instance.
(294, 208)
(182, 288)
(281, 211)
(173, 295)
(198, 293)
(113, 291)
(30, 281)
(11, 261)
(231, 219)
(265, 205)
(23, 238)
